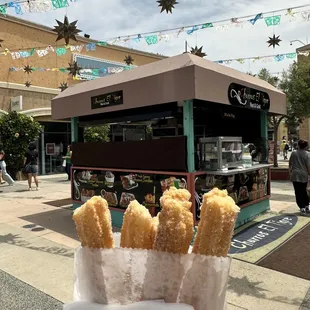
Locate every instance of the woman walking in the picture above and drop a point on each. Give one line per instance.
(31, 165)
(5, 175)
(299, 169)
(68, 162)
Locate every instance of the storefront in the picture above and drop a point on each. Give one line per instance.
(185, 100)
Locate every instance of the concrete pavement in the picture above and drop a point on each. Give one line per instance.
(38, 238)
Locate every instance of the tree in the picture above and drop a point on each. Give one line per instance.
(16, 132)
(97, 134)
(274, 120)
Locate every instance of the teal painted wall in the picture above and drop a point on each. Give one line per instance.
(249, 213)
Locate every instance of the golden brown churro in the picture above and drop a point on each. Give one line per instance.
(175, 228)
(217, 221)
(138, 227)
(93, 224)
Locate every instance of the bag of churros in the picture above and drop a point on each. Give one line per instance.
(152, 258)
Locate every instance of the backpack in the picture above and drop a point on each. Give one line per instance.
(286, 147)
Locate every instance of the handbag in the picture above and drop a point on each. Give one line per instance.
(64, 163)
(27, 168)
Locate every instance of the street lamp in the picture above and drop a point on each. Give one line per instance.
(291, 42)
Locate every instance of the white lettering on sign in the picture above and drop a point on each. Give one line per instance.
(266, 229)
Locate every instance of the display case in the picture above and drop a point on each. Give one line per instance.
(220, 153)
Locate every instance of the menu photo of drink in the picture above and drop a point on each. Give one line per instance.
(120, 188)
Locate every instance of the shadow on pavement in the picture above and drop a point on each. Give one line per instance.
(243, 286)
(18, 241)
(282, 197)
(59, 220)
(59, 203)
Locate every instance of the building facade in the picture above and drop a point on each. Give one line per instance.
(29, 44)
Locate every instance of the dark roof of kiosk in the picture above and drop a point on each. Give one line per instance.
(177, 78)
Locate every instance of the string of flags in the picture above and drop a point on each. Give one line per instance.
(264, 59)
(291, 14)
(96, 72)
(298, 13)
(89, 74)
(34, 6)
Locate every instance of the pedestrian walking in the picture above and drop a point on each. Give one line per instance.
(299, 169)
(284, 147)
(7, 178)
(31, 165)
(68, 161)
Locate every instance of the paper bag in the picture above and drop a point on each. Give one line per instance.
(125, 276)
(143, 305)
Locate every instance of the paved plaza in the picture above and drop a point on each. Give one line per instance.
(38, 239)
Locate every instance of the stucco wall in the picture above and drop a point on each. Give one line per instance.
(18, 35)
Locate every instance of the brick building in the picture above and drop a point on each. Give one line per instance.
(30, 44)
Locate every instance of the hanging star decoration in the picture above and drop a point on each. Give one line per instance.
(28, 69)
(273, 41)
(167, 5)
(27, 84)
(66, 30)
(198, 51)
(128, 60)
(74, 68)
(63, 86)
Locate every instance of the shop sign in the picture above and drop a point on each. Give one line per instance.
(17, 103)
(50, 149)
(120, 188)
(107, 100)
(247, 97)
(262, 233)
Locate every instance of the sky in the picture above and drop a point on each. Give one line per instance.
(104, 19)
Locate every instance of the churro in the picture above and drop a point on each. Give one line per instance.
(175, 228)
(138, 228)
(217, 221)
(93, 224)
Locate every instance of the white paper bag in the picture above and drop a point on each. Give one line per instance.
(143, 305)
(64, 163)
(125, 276)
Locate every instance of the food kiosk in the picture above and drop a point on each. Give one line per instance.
(205, 119)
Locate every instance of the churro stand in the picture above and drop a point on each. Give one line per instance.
(205, 120)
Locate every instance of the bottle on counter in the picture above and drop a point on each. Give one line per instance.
(246, 158)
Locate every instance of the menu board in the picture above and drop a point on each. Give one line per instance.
(120, 188)
(242, 187)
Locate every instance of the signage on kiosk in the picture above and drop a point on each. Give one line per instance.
(107, 100)
(247, 97)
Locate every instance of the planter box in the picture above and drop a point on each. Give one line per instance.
(279, 174)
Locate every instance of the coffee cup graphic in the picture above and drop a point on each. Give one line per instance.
(109, 179)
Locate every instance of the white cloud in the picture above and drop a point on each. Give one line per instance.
(103, 19)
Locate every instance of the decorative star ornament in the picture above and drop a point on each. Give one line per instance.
(128, 60)
(273, 41)
(27, 84)
(167, 5)
(66, 30)
(28, 69)
(198, 51)
(74, 69)
(63, 86)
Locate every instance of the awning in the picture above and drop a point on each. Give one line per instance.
(175, 79)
